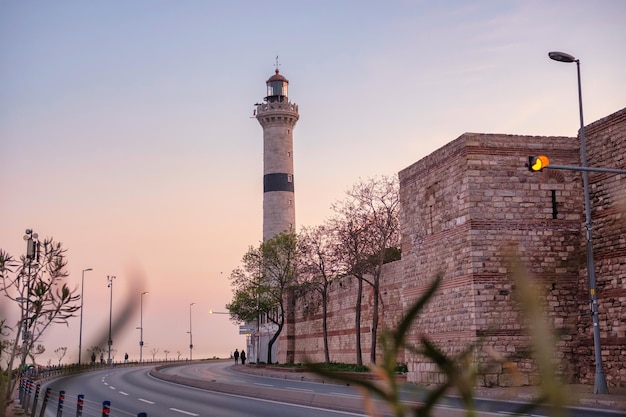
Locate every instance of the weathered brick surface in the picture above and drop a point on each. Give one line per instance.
(341, 318)
(462, 209)
(606, 147)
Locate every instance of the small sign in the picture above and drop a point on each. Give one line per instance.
(247, 328)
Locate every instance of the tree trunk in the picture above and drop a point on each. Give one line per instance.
(290, 326)
(375, 320)
(325, 323)
(273, 339)
(357, 324)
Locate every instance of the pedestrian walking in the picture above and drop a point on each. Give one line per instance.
(243, 357)
(236, 356)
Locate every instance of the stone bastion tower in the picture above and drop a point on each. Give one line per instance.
(278, 116)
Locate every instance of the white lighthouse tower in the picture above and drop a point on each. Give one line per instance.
(278, 116)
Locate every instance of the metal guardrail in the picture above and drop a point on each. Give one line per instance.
(29, 394)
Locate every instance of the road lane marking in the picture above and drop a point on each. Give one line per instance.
(112, 387)
(146, 401)
(123, 393)
(341, 394)
(299, 389)
(263, 385)
(282, 403)
(184, 412)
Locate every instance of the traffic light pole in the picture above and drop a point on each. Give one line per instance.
(586, 169)
(538, 164)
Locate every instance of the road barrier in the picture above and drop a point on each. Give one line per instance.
(90, 408)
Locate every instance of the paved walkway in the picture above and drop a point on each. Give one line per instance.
(580, 395)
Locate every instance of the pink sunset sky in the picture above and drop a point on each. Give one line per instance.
(126, 127)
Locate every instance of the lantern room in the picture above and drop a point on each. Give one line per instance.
(276, 88)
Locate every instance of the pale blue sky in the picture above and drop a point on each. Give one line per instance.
(126, 129)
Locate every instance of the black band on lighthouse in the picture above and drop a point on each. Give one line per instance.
(278, 182)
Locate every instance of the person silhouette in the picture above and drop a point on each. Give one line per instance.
(243, 357)
(236, 356)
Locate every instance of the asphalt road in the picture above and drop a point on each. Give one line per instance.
(133, 390)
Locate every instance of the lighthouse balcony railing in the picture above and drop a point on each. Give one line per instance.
(285, 105)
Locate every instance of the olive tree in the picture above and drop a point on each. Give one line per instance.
(34, 284)
(264, 284)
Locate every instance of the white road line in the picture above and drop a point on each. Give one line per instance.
(146, 401)
(299, 389)
(184, 412)
(341, 394)
(123, 393)
(112, 387)
(263, 385)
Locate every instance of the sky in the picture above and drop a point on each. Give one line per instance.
(126, 128)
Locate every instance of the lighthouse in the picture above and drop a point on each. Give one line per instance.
(278, 117)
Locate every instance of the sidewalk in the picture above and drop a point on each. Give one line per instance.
(580, 395)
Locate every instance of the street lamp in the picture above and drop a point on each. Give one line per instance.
(141, 327)
(600, 386)
(80, 335)
(110, 342)
(190, 337)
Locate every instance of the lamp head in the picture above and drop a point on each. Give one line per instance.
(561, 57)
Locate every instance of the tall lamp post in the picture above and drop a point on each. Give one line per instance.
(190, 337)
(141, 327)
(600, 386)
(82, 290)
(110, 342)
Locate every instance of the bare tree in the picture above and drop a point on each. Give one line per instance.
(153, 352)
(167, 352)
(318, 266)
(352, 232)
(36, 351)
(60, 351)
(36, 285)
(367, 225)
(178, 354)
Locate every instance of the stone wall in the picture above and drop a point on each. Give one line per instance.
(606, 147)
(464, 209)
(341, 318)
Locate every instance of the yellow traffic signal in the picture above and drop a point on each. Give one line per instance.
(537, 163)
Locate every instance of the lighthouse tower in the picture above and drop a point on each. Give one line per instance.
(278, 116)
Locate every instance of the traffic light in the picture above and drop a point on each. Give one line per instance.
(537, 163)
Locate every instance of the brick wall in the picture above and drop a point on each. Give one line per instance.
(606, 147)
(341, 318)
(462, 208)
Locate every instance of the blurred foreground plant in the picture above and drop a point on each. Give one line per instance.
(460, 370)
